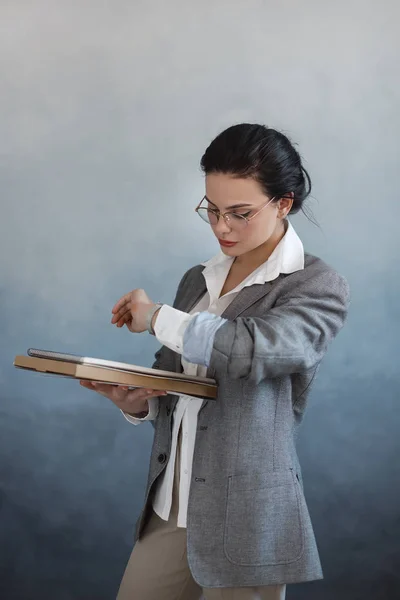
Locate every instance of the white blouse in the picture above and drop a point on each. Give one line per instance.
(170, 327)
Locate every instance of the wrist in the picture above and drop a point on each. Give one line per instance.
(153, 320)
(141, 411)
(139, 415)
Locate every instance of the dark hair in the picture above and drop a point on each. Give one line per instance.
(264, 154)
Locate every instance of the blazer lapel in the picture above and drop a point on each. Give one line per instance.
(192, 295)
(244, 299)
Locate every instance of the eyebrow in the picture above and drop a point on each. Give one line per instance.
(228, 207)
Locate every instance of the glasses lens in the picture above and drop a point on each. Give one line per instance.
(208, 215)
(236, 222)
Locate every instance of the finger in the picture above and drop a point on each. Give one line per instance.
(154, 393)
(118, 305)
(95, 386)
(115, 318)
(143, 394)
(106, 389)
(125, 310)
(158, 393)
(86, 384)
(128, 309)
(139, 395)
(125, 318)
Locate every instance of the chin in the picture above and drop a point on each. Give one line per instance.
(234, 251)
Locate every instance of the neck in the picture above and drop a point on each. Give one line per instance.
(258, 256)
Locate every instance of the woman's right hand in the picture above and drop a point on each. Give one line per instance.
(129, 401)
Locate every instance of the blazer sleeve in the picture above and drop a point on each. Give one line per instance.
(291, 337)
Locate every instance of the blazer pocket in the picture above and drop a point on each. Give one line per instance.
(263, 520)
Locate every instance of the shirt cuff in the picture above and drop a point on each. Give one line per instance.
(151, 415)
(170, 327)
(198, 338)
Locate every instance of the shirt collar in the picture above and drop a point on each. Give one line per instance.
(287, 257)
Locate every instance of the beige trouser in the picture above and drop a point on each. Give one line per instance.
(158, 568)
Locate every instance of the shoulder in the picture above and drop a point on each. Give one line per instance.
(317, 278)
(191, 275)
(315, 267)
(192, 279)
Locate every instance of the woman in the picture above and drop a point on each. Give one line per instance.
(225, 514)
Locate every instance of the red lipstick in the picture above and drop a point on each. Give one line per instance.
(227, 244)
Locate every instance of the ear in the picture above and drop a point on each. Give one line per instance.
(284, 205)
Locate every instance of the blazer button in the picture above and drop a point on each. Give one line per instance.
(168, 410)
(162, 458)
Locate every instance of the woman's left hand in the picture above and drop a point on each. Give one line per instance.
(131, 310)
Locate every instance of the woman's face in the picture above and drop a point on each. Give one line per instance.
(243, 196)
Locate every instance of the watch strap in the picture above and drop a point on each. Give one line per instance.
(150, 315)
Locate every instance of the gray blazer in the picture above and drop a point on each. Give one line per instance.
(248, 522)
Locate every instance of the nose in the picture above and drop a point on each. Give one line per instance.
(221, 227)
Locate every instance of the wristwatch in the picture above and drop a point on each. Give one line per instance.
(150, 315)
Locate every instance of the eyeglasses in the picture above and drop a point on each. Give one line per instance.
(233, 220)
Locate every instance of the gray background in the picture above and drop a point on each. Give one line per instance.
(105, 110)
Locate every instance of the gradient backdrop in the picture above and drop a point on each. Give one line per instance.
(105, 110)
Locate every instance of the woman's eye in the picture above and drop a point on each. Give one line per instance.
(241, 215)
